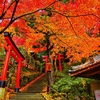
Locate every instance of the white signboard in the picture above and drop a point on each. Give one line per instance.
(97, 94)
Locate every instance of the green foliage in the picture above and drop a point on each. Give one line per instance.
(30, 19)
(66, 67)
(72, 87)
(16, 29)
(22, 50)
(2, 57)
(40, 54)
(83, 60)
(64, 1)
(44, 17)
(2, 53)
(31, 24)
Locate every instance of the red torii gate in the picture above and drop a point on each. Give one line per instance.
(11, 50)
(48, 65)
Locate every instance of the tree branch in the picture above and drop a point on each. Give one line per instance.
(13, 19)
(3, 8)
(72, 26)
(76, 15)
(4, 12)
(14, 10)
(71, 23)
(6, 26)
(36, 10)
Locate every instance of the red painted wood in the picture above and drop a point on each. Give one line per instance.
(45, 58)
(18, 74)
(48, 67)
(13, 47)
(60, 57)
(5, 68)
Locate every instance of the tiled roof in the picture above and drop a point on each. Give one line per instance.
(88, 69)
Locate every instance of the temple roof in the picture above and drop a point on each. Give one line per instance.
(88, 69)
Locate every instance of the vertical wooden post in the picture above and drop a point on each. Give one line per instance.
(45, 58)
(5, 68)
(18, 76)
(60, 56)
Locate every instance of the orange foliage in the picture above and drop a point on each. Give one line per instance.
(72, 26)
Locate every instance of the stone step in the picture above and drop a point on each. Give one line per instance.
(28, 96)
(33, 92)
(37, 86)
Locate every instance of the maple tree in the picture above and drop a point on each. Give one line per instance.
(70, 25)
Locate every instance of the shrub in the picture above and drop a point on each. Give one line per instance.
(72, 88)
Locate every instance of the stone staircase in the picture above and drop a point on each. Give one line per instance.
(37, 86)
(33, 92)
(28, 96)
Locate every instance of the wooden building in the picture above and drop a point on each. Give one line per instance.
(87, 70)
